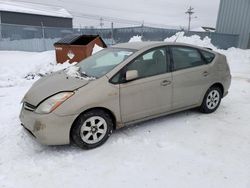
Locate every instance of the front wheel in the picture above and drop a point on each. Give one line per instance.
(211, 100)
(92, 129)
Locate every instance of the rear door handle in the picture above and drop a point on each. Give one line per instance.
(165, 82)
(205, 73)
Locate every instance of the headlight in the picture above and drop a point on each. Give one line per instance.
(53, 102)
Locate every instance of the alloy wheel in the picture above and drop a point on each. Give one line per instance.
(93, 130)
(213, 99)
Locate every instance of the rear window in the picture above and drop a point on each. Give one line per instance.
(186, 57)
(208, 56)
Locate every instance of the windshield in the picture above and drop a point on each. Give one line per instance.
(104, 61)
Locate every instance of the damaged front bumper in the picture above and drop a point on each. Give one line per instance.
(47, 129)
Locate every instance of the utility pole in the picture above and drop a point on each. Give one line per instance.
(80, 28)
(43, 35)
(142, 29)
(112, 33)
(101, 25)
(190, 12)
(101, 22)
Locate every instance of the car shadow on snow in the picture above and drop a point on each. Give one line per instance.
(125, 132)
(179, 116)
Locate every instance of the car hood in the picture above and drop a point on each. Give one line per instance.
(52, 84)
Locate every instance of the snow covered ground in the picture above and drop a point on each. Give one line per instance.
(187, 149)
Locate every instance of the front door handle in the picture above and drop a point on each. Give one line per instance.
(205, 73)
(165, 82)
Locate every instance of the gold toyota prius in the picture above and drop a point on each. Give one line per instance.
(121, 85)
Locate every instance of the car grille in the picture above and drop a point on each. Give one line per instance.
(29, 107)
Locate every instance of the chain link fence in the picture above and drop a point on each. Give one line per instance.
(36, 39)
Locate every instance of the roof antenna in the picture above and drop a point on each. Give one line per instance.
(177, 37)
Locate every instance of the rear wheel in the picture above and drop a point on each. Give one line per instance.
(92, 129)
(211, 100)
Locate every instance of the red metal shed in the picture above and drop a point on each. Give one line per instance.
(75, 48)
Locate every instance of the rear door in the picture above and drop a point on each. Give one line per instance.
(191, 76)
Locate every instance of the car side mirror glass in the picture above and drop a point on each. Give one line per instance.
(131, 75)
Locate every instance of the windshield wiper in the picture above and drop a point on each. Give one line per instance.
(83, 74)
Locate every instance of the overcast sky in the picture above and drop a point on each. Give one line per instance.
(158, 12)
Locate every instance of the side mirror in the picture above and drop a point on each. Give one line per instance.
(131, 75)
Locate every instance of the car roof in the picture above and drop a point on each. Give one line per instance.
(136, 45)
(142, 45)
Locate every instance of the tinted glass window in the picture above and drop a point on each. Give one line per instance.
(208, 56)
(185, 57)
(150, 64)
(117, 78)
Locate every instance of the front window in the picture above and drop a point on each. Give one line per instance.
(104, 61)
(152, 63)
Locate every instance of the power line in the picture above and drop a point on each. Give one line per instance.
(119, 20)
(119, 9)
(90, 5)
(87, 16)
(104, 18)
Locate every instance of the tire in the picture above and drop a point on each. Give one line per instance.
(92, 129)
(211, 101)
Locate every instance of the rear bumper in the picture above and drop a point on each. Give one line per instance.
(225, 94)
(227, 84)
(47, 129)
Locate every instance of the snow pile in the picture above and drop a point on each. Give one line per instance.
(136, 38)
(239, 61)
(194, 40)
(18, 67)
(96, 49)
(74, 71)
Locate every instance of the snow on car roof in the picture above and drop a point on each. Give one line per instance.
(31, 8)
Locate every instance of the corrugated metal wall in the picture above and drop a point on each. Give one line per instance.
(234, 18)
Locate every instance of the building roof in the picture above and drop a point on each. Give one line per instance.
(36, 9)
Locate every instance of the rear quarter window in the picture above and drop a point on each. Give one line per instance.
(208, 56)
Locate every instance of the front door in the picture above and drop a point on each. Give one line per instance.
(151, 93)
